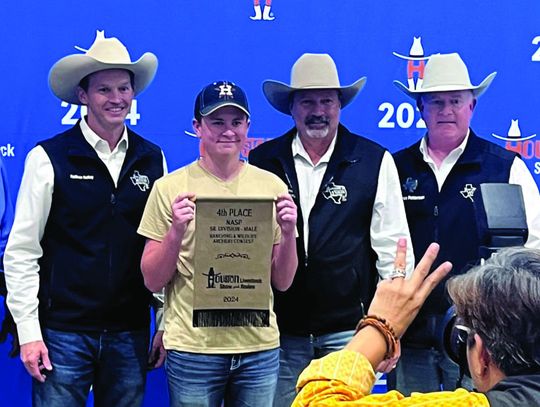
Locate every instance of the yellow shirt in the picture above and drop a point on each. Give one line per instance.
(179, 333)
(346, 378)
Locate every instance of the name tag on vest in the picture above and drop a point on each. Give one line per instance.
(82, 177)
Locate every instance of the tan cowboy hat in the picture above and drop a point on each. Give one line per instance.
(105, 53)
(445, 73)
(310, 71)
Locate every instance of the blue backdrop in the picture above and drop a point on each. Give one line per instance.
(201, 41)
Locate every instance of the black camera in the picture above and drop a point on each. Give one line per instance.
(500, 218)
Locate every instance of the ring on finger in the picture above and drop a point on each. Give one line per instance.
(397, 273)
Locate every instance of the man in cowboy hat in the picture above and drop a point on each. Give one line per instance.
(347, 191)
(439, 176)
(72, 261)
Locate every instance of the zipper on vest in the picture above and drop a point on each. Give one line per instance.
(113, 203)
(113, 213)
(436, 229)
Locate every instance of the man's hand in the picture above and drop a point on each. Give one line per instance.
(157, 352)
(183, 211)
(35, 357)
(286, 214)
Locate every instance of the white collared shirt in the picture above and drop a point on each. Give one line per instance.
(112, 159)
(388, 221)
(441, 173)
(519, 175)
(23, 249)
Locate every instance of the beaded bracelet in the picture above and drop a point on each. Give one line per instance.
(385, 329)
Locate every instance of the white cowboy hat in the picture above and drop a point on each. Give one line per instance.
(310, 71)
(445, 73)
(105, 53)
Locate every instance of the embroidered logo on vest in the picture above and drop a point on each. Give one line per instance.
(468, 192)
(337, 193)
(141, 181)
(410, 185)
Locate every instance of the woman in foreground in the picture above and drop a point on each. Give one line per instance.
(498, 309)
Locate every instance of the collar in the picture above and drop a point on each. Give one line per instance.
(298, 149)
(471, 155)
(98, 143)
(345, 148)
(453, 156)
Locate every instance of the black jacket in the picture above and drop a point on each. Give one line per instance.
(338, 272)
(90, 277)
(448, 217)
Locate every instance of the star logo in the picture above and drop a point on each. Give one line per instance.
(468, 192)
(225, 90)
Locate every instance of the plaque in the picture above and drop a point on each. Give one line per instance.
(233, 249)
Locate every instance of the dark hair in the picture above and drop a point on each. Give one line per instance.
(500, 301)
(84, 82)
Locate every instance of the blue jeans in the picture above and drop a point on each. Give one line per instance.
(113, 363)
(246, 379)
(295, 354)
(426, 370)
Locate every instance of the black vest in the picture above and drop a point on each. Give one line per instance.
(90, 277)
(448, 217)
(337, 276)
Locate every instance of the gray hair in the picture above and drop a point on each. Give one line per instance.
(500, 301)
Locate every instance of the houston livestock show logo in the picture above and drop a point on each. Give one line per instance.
(405, 115)
(524, 145)
(416, 63)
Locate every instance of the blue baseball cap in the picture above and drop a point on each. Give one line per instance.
(219, 94)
